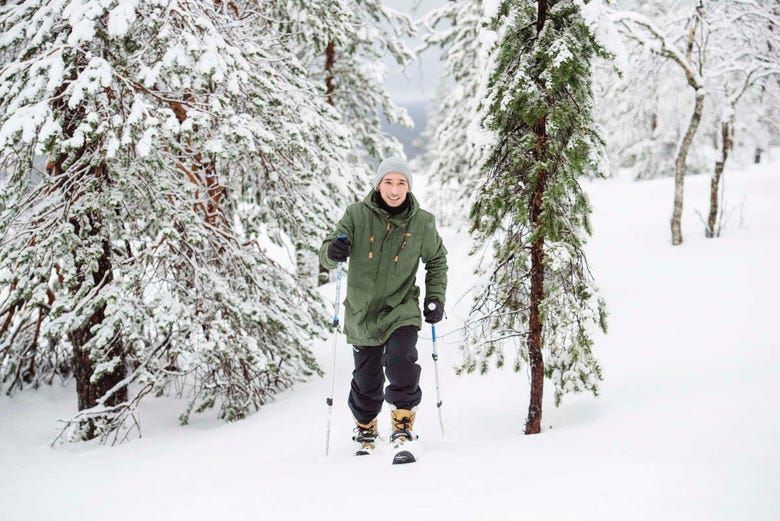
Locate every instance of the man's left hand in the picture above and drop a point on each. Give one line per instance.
(433, 310)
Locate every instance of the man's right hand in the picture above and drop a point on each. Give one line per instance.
(338, 249)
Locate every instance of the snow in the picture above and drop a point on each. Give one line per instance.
(686, 427)
(144, 145)
(137, 111)
(121, 18)
(96, 75)
(25, 120)
(560, 54)
(56, 68)
(596, 15)
(13, 33)
(112, 146)
(48, 129)
(83, 31)
(176, 55)
(491, 7)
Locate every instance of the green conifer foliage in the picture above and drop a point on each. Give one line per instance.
(544, 141)
(149, 152)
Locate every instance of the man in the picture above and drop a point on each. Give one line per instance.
(387, 234)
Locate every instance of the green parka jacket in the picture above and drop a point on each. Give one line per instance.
(386, 252)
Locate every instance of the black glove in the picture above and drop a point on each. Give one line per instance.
(433, 315)
(338, 249)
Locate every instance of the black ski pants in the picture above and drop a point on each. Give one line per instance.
(399, 358)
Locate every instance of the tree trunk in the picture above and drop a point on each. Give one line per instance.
(306, 266)
(693, 125)
(90, 390)
(533, 424)
(202, 173)
(679, 167)
(725, 130)
(330, 59)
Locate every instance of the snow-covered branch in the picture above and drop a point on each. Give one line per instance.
(645, 32)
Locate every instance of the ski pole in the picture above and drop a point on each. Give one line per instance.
(336, 303)
(436, 372)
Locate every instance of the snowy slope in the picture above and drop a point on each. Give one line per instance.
(687, 426)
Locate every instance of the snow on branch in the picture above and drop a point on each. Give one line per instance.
(644, 31)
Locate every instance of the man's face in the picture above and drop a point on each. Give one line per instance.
(393, 189)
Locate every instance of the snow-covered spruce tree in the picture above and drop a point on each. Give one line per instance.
(538, 295)
(356, 74)
(125, 256)
(454, 151)
(341, 43)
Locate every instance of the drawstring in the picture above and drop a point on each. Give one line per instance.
(371, 236)
(403, 241)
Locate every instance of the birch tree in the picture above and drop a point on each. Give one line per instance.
(689, 57)
(746, 69)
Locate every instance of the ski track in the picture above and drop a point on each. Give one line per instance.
(686, 427)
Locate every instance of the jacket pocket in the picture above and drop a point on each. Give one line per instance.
(407, 255)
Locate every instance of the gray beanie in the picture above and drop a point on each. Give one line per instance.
(393, 165)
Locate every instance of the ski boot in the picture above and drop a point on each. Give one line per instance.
(402, 438)
(365, 436)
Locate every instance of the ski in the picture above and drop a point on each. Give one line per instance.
(402, 457)
(403, 440)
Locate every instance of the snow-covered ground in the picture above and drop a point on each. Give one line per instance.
(687, 427)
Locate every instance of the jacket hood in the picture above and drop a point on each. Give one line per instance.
(368, 200)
